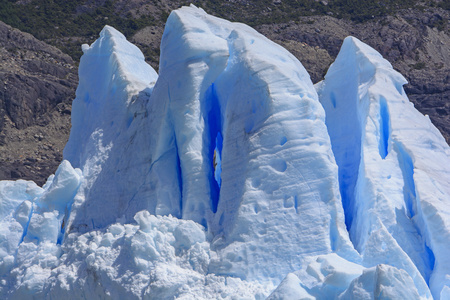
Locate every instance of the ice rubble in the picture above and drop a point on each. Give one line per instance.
(222, 178)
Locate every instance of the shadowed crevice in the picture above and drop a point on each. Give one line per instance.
(409, 195)
(214, 144)
(384, 128)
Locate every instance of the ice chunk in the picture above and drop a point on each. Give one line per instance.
(16, 201)
(187, 235)
(327, 276)
(111, 70)
(43, 227)
(31, 232)
(61, 191)
(250, 103)
(52, 209)
(290, 288)
(13, 193)
(382, 282)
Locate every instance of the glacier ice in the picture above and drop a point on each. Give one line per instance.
(266, 162)
(272, 134)
(392, 177)
(229, 175)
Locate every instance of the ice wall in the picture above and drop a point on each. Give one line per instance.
(392, 167)
(231, 136)
(238, 98)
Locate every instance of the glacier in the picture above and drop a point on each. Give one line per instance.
(229, 175)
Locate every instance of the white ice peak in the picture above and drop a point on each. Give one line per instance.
(392, 177)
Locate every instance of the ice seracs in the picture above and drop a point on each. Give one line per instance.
(228, 175)
(223, 91)
(392, 174)
(110, 141)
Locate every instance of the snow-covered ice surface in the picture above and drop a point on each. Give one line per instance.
(227, 176)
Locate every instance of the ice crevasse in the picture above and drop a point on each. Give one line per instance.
(229, 175)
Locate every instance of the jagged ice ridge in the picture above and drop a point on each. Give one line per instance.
(229, 175)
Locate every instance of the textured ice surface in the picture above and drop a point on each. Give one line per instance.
(225, 178)
(157, 258)
(109, 141)
(32, 229)
(381, 282)
(332, 277)
(16, 202)
(223, 91)
(278, 186)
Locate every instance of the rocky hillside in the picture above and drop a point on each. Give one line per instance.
(37, 84)
(38, 81)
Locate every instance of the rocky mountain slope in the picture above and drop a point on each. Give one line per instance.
(37, 84)
(39, 81)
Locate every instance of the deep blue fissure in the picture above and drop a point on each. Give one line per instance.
(218, 159)
(409, 195)
(347, 185)
(409, 188)
(178, 161)
(25, 230)
(61, 233)
(431, 261)
(66, 216)
(384, 129)
(214, 147)
(179, 175)
(345, 137)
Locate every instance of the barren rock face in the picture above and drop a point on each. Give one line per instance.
(37, 85)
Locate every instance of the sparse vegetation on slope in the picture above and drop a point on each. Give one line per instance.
(66, 23)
